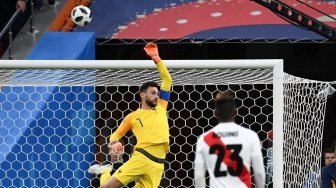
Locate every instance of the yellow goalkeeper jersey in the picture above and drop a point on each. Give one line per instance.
(150, 126)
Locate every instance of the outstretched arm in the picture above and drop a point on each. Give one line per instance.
(123, 128)
(153, 52)
(115, 147)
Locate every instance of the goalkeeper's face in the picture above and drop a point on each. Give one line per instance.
(151, 96)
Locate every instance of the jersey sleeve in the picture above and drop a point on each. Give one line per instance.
(166, 80)
(257, 163)
(165, 95)
(163, 103)
(124, 127)
(199, 165)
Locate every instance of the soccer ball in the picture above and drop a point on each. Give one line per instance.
(81, 15)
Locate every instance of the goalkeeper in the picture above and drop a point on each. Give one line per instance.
(149, 124)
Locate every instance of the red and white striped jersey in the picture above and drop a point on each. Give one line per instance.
(227, 151)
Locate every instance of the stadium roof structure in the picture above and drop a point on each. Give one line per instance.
(218, 21)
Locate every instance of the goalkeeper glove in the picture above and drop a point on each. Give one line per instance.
(152, 51)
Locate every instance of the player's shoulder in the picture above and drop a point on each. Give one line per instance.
(247, 130)
(132, 112)
(130, 115)
(162, 103)
(201, 137)
(201, 141)
(325, 169)
(248, 133)
(330, 167)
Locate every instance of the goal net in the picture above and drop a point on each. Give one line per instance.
(56, 117)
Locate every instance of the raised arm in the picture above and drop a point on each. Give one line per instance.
(153, 52)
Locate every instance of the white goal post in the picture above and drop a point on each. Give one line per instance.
(30, 78)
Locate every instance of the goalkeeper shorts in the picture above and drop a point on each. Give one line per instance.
(143, 170)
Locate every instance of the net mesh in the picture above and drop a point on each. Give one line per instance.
(56, 123)
(129, 77)
(304, 106)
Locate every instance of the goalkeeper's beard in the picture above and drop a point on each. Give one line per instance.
(152, 103)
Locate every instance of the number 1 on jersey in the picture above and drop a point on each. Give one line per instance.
(139, 121)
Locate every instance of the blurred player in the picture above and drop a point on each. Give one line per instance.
(329, 173)
(149, 124)
(313, 179)
(227, 151)
(329, 156)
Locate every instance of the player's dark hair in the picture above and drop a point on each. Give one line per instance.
(328, 150)
(225, 106)
(146, 85)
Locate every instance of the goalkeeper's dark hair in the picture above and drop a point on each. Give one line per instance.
(146, 85)
(225, 106)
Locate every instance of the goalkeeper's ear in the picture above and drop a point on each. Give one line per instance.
(142, 94)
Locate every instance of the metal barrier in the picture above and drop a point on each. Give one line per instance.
(8, 27)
